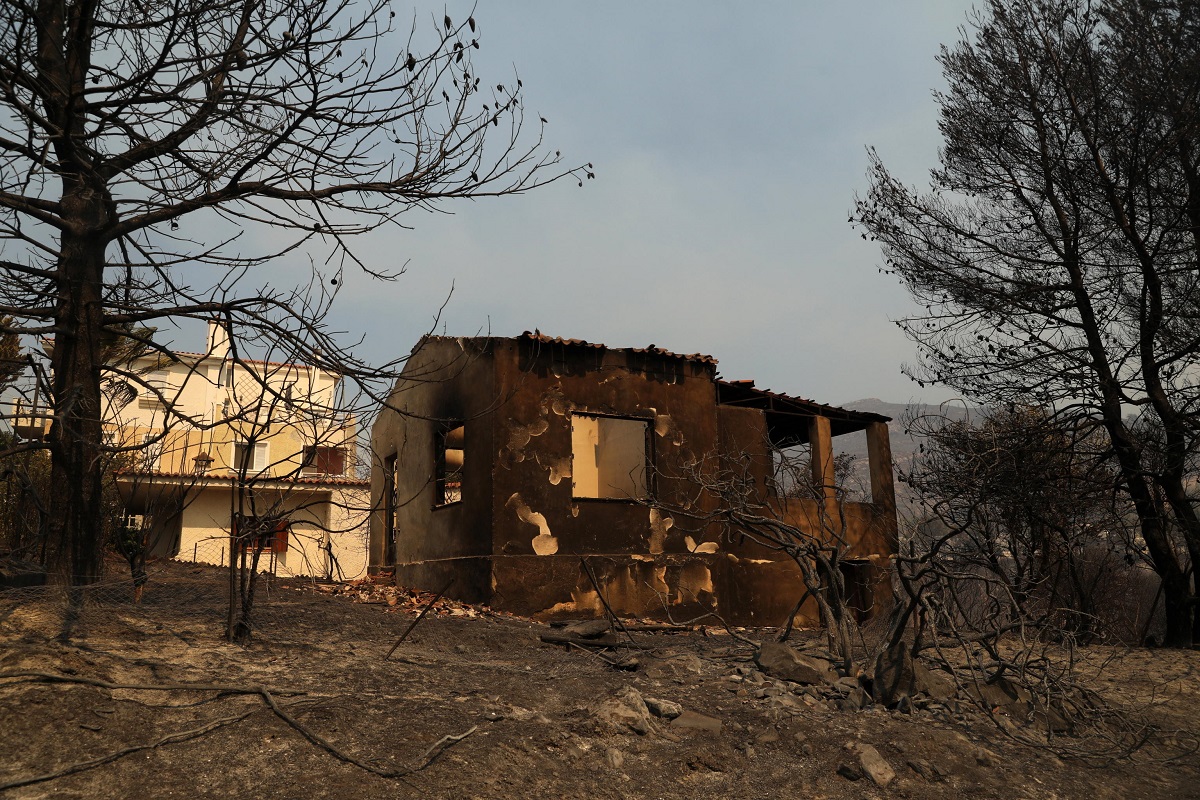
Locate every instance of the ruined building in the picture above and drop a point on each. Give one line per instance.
(504, 462)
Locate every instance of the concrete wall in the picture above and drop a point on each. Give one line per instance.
(520, 534)
(446, 382)
(321, 520)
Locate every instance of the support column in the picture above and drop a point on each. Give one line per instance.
(820, 442)
(883, 486)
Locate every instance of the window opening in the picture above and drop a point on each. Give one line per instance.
(448, 472)
(249, 457)
(389, 509)
(609, 457)
(324, 460)
(261, 533)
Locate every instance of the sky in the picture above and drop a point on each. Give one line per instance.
(729, 141)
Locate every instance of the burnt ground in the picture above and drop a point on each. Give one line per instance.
(532, 709)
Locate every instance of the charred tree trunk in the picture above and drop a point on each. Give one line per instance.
(75, 433)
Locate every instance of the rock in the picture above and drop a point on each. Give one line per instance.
(626, 711)
(875, 766)
(933, 683)
(851, 771)
(857, 700)
(781, 661)
(589, 629)
(614, 758)
(769, 736)
(674, 666)
(663, 708)
(922, 768)
(693, 721)
(986, 758)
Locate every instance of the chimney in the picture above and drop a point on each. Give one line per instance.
(218, 340)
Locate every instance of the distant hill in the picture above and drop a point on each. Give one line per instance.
(904, 445)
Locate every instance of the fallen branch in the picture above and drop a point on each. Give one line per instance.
(174, 738)
(267, 697)
(220, 688)
(420, 617)
(426, 758)
(554, 637)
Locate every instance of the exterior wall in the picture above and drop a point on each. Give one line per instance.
(448, 381)
(204, 403)
(640, 556)
(314, 531)
(519, 536)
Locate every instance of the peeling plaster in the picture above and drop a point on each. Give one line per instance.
(666, 428)
(695, 579)
(543, 544)
(519, 436)
(559, 468)
(703, 547)
(555, 402)
(659, 527)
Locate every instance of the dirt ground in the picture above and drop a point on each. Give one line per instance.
(535, 713)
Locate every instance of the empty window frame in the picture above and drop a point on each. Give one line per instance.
(448, 466)
(322, 460)
(389, 510)
(250, 457)
(610, 457)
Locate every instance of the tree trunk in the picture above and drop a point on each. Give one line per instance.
(75, 530)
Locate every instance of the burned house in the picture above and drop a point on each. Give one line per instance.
(524, 472)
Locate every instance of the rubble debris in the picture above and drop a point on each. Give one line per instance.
(695, 721)
(781, 661)
(665, 709)
(625, 711)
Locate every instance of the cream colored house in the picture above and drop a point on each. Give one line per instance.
(215, 439)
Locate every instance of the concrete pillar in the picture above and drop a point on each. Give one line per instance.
(883, 486)
(879, 454)
(820, 442)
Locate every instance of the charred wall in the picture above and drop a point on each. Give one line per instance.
(446, 382)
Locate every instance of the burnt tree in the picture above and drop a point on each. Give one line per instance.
(123, 120)
(1055, 256)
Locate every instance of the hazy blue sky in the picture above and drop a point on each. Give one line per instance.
(728, 142)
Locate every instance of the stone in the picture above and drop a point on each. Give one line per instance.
(614, 758)
(857, 700)
(769, 736)
(626, 711)
(922, 768)
(663, 708)
(680, 665)
(851, 771)
(781, 661)
(986, 758)
(875, 766)
(692, 721)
